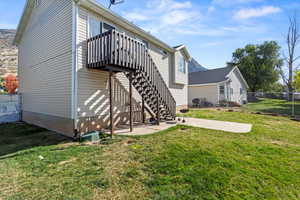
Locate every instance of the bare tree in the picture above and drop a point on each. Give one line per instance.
(292, 40)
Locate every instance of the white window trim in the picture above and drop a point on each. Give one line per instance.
(89, 16)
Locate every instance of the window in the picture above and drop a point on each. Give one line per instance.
(222, 89)
(241, 91)
(107, 27)
(181, 65)
(95, 27)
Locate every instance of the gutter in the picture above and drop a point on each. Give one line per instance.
(208, 84)
(74, 68)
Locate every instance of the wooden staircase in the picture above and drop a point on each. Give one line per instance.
(117, 52)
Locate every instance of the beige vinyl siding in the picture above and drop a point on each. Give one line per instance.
(209, 92)
(163, 62)
(45, 60)
(179, 91)
(236, 84)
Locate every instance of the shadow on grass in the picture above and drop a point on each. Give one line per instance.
(15, 137)
(280, 107)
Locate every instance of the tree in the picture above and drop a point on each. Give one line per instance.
(297, 80)
(292, 40)
(258, 64)
(2, 83)
(11, 83)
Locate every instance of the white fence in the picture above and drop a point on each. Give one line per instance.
(10, 107)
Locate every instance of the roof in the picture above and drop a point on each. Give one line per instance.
(98, 8)
(194, 66)
(209, 76)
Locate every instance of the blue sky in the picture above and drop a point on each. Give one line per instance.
(211, 29)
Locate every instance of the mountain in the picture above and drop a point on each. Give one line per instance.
(194, 66)
(8, 53)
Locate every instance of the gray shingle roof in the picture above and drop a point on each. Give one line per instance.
(194, 66)
(209, 76)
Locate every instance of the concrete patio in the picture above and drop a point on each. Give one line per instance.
(148, 129)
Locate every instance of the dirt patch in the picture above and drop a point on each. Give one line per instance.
(281, 143)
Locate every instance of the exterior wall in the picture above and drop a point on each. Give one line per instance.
(179, 81)
(164, 62)
(235, 85)
(93, 91)
(54, 123)
(209, 92)
(45, 61)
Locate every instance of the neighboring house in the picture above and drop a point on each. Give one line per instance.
(75, 62)
(194, 66)
(217, 85)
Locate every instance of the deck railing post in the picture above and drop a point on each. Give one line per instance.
(143, 110)
(130, 102)
(158, 110)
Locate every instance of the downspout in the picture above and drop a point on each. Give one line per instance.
(74, 68)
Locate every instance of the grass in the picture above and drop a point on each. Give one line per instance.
(277, 106)
(180, 163)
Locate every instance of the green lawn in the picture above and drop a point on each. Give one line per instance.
(277, 106)
(180, 163)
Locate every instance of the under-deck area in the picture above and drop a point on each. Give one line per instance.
(116, 52)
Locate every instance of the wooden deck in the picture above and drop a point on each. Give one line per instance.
(116, 52)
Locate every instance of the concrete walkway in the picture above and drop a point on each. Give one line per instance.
(145, 129)
(148, 129)
(218, 125)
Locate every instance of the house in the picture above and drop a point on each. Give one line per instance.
(218, 85)
(84, 68)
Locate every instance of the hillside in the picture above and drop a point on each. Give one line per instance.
(8, 53)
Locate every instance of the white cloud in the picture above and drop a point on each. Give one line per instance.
(231, 2)
(256, 12)
(169, 4)
(136, 17)
(173, 18)
(211, 9)
(7, 26)
(177, 17)
(164, 15)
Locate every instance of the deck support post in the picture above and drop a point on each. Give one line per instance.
(111, 104)
(158, 110)
(130, 103)
(143, 110)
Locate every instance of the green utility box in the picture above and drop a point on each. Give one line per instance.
(90, 137)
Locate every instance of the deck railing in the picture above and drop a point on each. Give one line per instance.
(113, 48)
